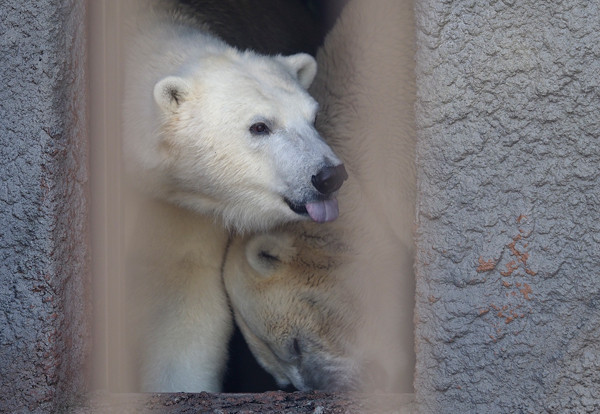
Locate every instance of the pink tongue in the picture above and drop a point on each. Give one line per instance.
(323, 211)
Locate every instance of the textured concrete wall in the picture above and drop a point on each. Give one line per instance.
(508, 274)
(43, 203)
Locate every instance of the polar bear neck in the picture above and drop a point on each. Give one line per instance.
(153, 221)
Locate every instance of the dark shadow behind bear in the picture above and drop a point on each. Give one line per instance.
(267, 26)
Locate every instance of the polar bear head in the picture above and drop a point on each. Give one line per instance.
(232, 133)
(296, 313)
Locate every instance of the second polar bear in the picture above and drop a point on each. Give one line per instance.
(215, 139)
(330, 307)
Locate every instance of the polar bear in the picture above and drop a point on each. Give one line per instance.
(216, 140)
(330, 307)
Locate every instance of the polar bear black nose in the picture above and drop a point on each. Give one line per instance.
(330, 179)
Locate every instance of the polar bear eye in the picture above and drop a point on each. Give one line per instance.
(260, 128)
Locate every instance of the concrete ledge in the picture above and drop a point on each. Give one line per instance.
(269, 402)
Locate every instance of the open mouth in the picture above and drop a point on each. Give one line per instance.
(320, 211)
(296, 208)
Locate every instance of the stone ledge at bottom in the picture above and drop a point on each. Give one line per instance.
(269, 402)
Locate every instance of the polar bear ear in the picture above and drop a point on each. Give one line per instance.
(267, 252)
(170, 92)
(302, 65)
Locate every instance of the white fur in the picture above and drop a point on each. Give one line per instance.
(356, 273)
(198, 171)
(180, 312)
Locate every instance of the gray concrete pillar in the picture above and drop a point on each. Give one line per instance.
(508, 266)
(44, 256)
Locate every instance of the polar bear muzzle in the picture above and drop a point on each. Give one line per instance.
(327, 181)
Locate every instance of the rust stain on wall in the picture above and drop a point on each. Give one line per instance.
(517, 269)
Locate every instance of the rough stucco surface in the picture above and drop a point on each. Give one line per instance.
(270, 402)
(43, 203)
(508, 272)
